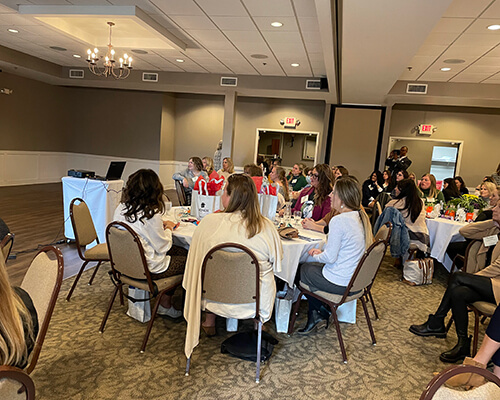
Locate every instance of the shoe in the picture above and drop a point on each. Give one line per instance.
(433, 327)
(467, 381)
(326, 314)
(209, 330)
(169, 312)
(459, 352)
(314, 321)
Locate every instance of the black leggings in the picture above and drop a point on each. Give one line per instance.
(493, 332)
(464, 289)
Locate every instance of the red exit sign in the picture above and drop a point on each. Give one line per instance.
(424, 129)
(290, 122)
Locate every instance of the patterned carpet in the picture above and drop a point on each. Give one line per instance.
(79, 363)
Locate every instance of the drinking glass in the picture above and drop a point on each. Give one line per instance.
(297, 217)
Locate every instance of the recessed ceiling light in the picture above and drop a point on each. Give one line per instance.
(13, 30)
(58, 48)
(454, 61)
(179, 60)
(139, 51)
(445, 69)
(295, 65)
(494, 27)
(77, 56)
(276, 24)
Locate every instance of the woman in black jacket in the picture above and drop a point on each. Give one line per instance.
(371, 188)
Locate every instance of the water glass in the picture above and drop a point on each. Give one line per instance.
(297, 217)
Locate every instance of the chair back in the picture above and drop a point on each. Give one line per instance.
(384, 233)
(126, 253)
(15, 384)
(6, 245)
(181, 194)
(473, 263)
(42, 282)
(231, 274)
(83, 226)
(367, 268)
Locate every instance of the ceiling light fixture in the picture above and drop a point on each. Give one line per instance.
(179, 60)
(445, 69)
(295, 65)
(77, 56)
(276, 24)
(108, 68)
(494, 27)
(13, 30)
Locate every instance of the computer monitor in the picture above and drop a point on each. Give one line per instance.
(115, 170)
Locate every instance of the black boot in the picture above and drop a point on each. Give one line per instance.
(433, 327)
(457, 353)
(314, 321)
(325, 313)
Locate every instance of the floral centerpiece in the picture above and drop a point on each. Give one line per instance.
(468, 202)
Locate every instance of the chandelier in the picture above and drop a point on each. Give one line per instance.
(109, 68)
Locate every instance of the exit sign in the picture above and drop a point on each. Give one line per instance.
(424, 129)
(290, 122)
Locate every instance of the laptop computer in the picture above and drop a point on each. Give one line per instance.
(115, 171)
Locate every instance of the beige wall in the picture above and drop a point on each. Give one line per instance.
(167, 141)
(355, 136)
(477, 128)
(260, 113)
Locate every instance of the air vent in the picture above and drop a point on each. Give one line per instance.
(149, 77)
(225, 81)
(313, 84)
(416, 88)
(76, 73)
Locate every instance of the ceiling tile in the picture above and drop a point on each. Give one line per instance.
(273, 37)
(440, 39)
(470, 77)
(490, 61)
(264, 23)
(434, 77)
(493, 11)
(316, 57)
(308, 24)
(176, 7)
(431, 50)
(234, 23)
(223, 8)
(17, 20)
(481, 26)
(227, 53)
(238, 37)
(466, 8)
(262, 8)
(207, 35)
(319, 71)
(305, 8)
(466, 52)
(483, 69)
(476, 39)
(311, 37)
(144, 5)
(315, 47)
(6, 10)
(193, 22)
(452, 25)
(494, 79)
(494, 52)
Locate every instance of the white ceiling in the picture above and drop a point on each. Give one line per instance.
(380, 39)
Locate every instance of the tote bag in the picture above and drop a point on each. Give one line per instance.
(202, 203)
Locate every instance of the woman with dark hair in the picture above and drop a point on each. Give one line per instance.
(403, 174)
(340, 171)
(141, 208)
(296, 179)
(462, 188)
(450, 190)
(387, 181)
(190, 175)
(409, 203)
(332, 269)
(372, 187)
(242, 223)
(313, 201)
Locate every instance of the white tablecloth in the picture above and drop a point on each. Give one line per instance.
(102, 198)
(442, 232)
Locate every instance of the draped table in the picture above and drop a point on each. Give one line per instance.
(442, 232)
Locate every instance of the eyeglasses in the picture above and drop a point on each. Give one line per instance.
(315, 175)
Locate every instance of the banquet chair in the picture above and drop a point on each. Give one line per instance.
(488, 391)
(481, 309)
(15, 384)
(6, 245)
(181, 194)
(42, 282)
(362, 278)
(129, 267)
(384, 234)
(240, 272)
(85, 233)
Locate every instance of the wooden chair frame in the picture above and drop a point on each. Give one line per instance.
(7, 243)
(181, 193)
(18, 375)
(334, 306)
(116, 275)
(81, 254)
(256, 319)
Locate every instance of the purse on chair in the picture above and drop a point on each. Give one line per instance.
(418, 270)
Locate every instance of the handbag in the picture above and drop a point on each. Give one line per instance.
(418, 271)
(140, 309)
(268, 202)
(288, 232)
(202, 203)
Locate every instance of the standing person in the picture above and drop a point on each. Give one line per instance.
(227, 168)
(141, 208)
(218, 156)
(297, 179)
(190, 175)
(390, 162)
(462, 187)
(262, 163)
(463, 289)
(402, 163)
(332, 269)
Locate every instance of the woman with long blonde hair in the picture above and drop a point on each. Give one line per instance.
(242, 223)
(18, 323)
(227, 167)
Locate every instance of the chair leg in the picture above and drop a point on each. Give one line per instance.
(95, 272)
(368, 320)
(295, 312)
(448, 325)
(106, 315)
(150, 324)
(339, 333)
(121, 298)
(188, 364)
(76, 280)
(259, 348)
(476, 333)
(483, 320)
(373, 304)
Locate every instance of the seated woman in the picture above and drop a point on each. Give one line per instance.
(190, 175)
(409, 203)
(340, 170)
(141, 208)
(18, 323)
(278, 176)
(462, 188)
(208, 167)
(487, 191)
(371, 189)
(450, 190)
(227, 168)
(297, 180)
(403, 174)
(350, 235)
(253, 170)
(429, 191)
(463, 289)
(387, 184)
(313, 201)
(240, 222)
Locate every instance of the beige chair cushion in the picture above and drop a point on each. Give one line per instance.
(334, 298)
(9, 388)
(488, 391)
(485, 307)
(98, 252)
(162, 284)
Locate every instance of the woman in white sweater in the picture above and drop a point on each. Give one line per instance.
(350, 235)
